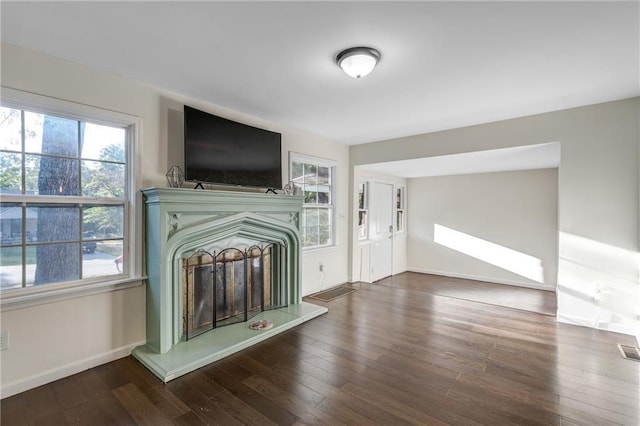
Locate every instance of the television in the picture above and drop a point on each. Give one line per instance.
(225, 152)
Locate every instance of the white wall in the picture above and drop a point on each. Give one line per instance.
(507, 224)
(361, 254)
(598, 197)
(53, 340)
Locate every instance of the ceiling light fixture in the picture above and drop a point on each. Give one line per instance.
(357, 62)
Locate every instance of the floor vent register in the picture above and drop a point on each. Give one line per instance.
(629, 352)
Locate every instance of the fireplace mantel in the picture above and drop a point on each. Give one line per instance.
(180, 221)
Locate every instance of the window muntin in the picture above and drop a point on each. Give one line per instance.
(66, 181)
(314, 178)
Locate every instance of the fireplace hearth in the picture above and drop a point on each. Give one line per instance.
(217, 260)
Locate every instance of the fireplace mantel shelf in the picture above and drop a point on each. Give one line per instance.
(181, 221)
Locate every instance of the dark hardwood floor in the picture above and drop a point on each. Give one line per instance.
(390, 353)
(525, 299)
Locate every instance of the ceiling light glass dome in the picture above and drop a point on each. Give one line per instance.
(357, 62)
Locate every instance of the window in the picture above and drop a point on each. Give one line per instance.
(66, 186)
(400, 202)
(314, 178)
(363, 210)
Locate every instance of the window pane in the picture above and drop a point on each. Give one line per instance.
(310, 197)
(324, 195)
(311, 217)
(310, 176)
(324, 235)
(362, 224)
(297, 172)
(46, 134)
(400, 220)
(11, 223)
(10, 173)
(56, 263)
(324, 217)
(102, 222)
(361, 194)
(106, 259)
(310, 236)
(31, 172)
(33, 132)
(10, 129)
(58, 176)
(399, 198)
(103, 143)
(10, 267)
(323, 175)
(100, 179)
(31, 265)
(55, 224)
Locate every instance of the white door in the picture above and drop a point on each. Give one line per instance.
(381, 229)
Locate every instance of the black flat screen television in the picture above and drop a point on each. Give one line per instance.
(225, 152)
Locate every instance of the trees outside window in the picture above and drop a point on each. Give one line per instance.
(63, 183)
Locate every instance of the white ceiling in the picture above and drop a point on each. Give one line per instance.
(444, 64)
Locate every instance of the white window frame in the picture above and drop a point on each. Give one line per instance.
(322, 162)
(132, 246)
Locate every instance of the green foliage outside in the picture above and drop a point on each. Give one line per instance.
(51, 155)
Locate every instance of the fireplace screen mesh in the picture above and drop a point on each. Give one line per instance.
(229, 286)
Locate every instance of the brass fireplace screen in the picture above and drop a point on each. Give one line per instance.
(230, 286)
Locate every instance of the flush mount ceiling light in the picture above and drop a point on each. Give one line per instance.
(358, 61)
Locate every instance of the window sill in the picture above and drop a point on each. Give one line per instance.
(40, 296)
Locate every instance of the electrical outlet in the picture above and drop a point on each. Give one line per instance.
(4, 340)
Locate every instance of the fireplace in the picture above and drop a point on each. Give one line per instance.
(228, 286)
(216, 261)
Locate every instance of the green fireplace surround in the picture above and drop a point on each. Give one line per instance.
(181, 221)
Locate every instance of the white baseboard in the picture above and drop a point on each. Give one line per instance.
(574, 320)
(480, 278)
(18, 386)
(590, 323)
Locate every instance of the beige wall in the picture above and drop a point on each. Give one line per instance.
(598, 187)
(56, 339)
(507, 223)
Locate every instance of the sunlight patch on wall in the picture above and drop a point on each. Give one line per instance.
(503, 257)
(596, 279)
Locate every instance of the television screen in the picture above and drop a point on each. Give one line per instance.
(222, 151)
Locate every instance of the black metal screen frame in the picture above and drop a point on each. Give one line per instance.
(276, 271)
